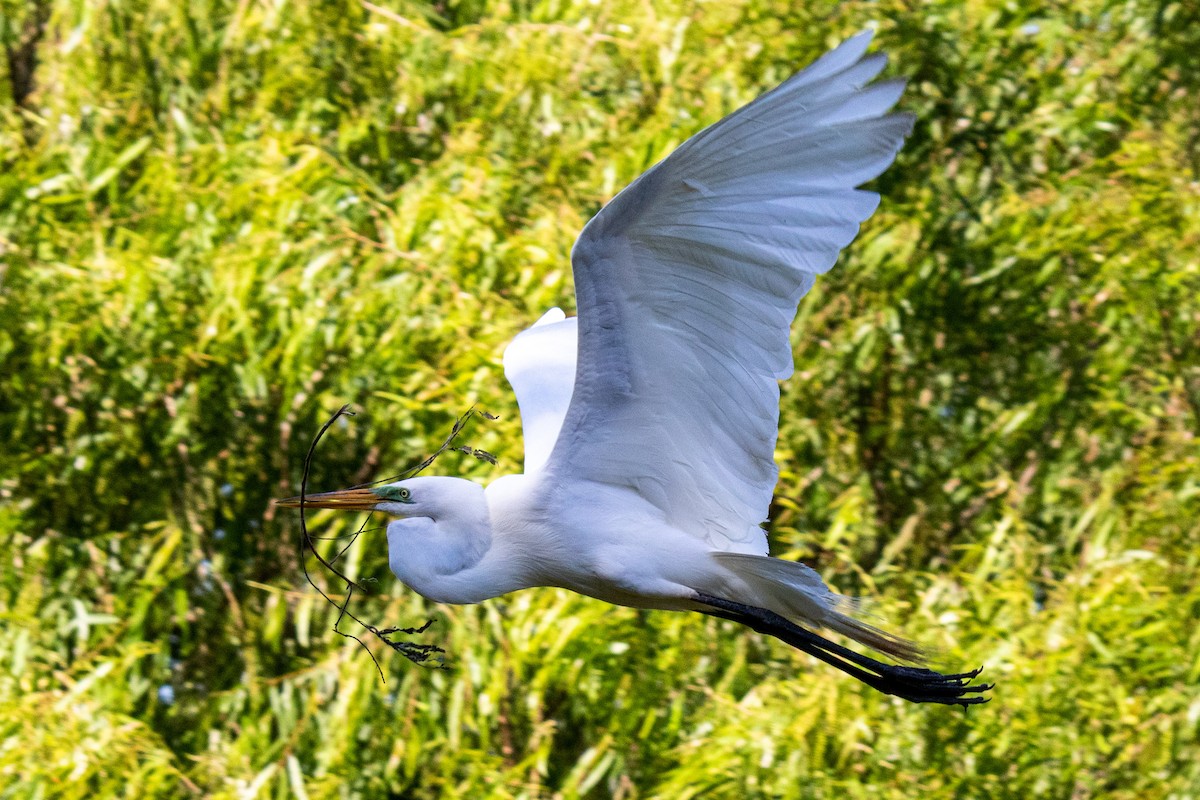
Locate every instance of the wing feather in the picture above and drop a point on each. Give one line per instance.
(539, 363)
(687, 283)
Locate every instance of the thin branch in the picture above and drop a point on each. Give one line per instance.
(416, 652)
(459, 424)
(305, 539)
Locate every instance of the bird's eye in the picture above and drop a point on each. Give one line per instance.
(399, 494)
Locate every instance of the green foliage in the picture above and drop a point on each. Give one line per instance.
(221, 220)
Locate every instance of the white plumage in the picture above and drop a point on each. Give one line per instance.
(650, 421)
(540, 365)
(687, 283)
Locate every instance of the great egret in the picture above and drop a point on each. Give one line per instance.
(650, 419)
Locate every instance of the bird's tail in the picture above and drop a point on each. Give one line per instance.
(797, 592)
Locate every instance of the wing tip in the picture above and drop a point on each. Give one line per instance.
(554, 314)
(857, 43)
(850, 52)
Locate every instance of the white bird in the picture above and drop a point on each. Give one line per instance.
(650, 419)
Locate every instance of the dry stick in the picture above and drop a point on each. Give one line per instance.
(474, 452)
(306, 540)
(306, 543)
(354, 538)
(459, 424)
(417, 653)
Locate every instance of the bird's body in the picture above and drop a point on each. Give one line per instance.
(650, 419)
(470, 544)
(524, 531)
(603, 541)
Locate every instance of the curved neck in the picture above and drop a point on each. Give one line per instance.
(467, 546)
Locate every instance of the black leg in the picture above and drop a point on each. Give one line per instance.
(910, 683)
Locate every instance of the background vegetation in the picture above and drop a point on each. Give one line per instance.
(221, 219)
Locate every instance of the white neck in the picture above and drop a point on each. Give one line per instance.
(467, 550)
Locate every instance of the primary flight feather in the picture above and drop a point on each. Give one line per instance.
(650, 420)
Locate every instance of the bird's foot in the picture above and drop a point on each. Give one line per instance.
(919, 685)
(915, 684)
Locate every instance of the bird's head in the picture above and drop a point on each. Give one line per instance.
(441, 529)
(433, 497)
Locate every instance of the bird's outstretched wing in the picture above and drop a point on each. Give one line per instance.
(540, 365)
(687, 284)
